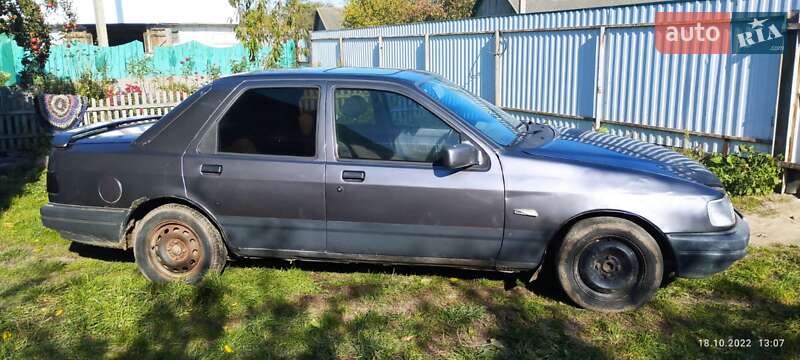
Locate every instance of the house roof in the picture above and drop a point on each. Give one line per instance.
(331, 18)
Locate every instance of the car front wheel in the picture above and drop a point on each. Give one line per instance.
(609, 264)
(176, 243)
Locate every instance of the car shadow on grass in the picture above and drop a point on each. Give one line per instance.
(544, 285)
(101, 253)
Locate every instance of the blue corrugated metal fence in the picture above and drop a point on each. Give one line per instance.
(586, 68)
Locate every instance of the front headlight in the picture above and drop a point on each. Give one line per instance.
(720, 212)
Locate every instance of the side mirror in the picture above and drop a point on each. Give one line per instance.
(459, 156)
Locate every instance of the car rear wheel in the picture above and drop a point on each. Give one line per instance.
(609, 264)
(176, 243)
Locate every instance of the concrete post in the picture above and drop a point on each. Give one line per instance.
(599, 74)
(100, 23)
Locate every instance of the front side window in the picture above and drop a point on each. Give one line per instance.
(382, 125)
(271, 121)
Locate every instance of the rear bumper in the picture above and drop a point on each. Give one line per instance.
(86, 224)
(703, 254)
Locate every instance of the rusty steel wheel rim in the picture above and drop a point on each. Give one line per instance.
(175, 248)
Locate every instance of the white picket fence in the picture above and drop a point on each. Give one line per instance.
(21, 127)
(122, 106)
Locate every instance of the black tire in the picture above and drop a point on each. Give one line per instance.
(177, 243)
(609, 264)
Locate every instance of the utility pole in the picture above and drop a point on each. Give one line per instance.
(100, 23)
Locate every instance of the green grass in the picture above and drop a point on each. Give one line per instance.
(760, 205)
(58, 301)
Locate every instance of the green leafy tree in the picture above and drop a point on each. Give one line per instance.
(254, 22)
(271, 24)
(362, 13)
(24, 21)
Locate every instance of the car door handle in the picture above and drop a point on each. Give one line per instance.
(353, 176)
(211, 169)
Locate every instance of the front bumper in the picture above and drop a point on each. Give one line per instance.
(703, 254)
(86, 224)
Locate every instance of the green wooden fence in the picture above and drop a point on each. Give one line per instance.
(69, 62)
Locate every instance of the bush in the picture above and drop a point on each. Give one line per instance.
(50, 84)
(239, 66)
(140, 68)
(177, 86)
(747, 172)
(94, 89)
(187, 66)
(4, 76)
(214, 71)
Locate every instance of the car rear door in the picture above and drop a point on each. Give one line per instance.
(384, 196)
(259, 168)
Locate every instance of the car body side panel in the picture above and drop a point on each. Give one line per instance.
(559, 191)
(262, 202)
(82, 169)
(413, 210)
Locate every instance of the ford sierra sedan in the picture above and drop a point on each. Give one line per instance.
(392, 167)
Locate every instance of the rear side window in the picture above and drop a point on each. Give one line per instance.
(271, 121)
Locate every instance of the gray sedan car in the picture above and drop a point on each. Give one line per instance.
(393, 167)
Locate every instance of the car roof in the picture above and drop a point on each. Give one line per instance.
(340, 73)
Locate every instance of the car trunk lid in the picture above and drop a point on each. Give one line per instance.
(121, 131)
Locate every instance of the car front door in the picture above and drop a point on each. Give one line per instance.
(260, 170)
(384, 195)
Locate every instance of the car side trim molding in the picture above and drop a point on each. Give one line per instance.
(474, 264)
(526, 212)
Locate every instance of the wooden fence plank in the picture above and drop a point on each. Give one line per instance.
(22, 129)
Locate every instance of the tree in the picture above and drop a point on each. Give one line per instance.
(271, 23)
(24, 21)
(362, 13)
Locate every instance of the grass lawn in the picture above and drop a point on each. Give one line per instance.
(59, 300)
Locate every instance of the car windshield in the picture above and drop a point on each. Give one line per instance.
(487, 118)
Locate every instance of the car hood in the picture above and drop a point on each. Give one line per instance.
(590, 147)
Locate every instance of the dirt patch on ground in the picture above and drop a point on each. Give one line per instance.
(775, 222)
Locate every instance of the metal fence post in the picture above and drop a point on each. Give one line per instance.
(380, 51)
(427, 52)
(341, 51)
(599, 74)
(498, 69)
